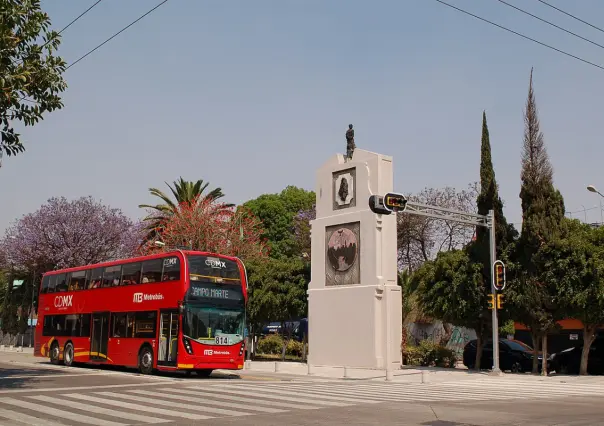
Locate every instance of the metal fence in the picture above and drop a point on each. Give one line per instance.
(20, 339)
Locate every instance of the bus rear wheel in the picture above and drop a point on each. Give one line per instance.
(145, 360)
(68, 354)
(54, 353)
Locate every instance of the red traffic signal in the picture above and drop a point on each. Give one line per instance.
(499, 274)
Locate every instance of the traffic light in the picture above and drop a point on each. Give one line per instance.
(395, 202)
(499, 272)
(499, 301)
(376, 204)
(491, 301)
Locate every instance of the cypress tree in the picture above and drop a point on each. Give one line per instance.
(542, 204)
(542, 222)
(488, 199)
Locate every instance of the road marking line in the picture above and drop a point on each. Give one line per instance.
(196, 400)
(98, 410)
(59, 413)
(26, 418)
(173, 404)
(304, 393)
(52, 376)
(74, 388)
(138, 407)
(194, 391)
(233, 389)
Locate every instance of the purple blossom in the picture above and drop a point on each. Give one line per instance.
(302, 229)
(64, 234)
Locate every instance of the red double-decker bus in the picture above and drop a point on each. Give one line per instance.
(179, 310)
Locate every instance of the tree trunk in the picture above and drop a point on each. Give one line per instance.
(589, 335)
(544, 356)
(448, 333)
(536, 342)
(479, 345)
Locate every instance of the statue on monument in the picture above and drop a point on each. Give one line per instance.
(350, 146)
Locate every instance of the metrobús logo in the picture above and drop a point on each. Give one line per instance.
(64, 301)
(211, 352)
(142, 297)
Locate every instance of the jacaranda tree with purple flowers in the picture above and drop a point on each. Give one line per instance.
(62, 234)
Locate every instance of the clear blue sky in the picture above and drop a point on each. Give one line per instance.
(254, 96)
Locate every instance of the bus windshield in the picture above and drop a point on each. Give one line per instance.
(214, 309)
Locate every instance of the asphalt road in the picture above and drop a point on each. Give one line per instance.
(37, 393)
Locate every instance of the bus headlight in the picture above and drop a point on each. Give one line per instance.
(187, 344)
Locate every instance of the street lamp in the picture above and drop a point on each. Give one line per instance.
(592, 188)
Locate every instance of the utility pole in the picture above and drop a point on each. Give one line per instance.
(398, 203)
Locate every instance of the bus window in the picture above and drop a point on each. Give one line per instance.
(52, 280)
(61, 284)
(131, 273)
(78, 281)
(45, 282)
(152, 271)
(95, 278)
(145, 324)
(171, 269)
(112, 276)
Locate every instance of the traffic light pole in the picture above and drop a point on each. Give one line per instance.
(397, 203)
(493, 258)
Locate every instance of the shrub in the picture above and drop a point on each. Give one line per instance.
(429, 354)
(270, 345)
(294, 348)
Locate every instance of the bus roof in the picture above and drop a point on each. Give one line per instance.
(140, 259)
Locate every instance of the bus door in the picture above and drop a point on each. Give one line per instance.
(168, 337)
(100, 336)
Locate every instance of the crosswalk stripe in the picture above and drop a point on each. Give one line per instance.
(305, 393)
(26, 418)
(348, 391)
(59, 413)
(201, 393)
(187, 407)
(138, 407)
(371, 397)
(98, 410)
(233, 389)
(196, 400)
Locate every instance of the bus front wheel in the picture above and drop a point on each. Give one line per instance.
(145, 360)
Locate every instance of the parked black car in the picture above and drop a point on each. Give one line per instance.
(568, 361)
(514, 356)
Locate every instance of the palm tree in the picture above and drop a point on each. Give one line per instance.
(184, 192)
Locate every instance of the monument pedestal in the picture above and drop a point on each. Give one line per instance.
(354, 302)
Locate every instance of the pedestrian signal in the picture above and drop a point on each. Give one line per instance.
(395, 202)
(376, 204)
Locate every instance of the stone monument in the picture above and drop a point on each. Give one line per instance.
(354, 302)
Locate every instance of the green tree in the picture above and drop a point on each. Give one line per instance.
(277, 213)
(574, 265)
(277, 291)
(30, 72)
(542, 222)
(450, 288)
(184, 192)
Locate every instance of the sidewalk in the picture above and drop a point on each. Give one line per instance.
(402, 375)
(17, 349)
